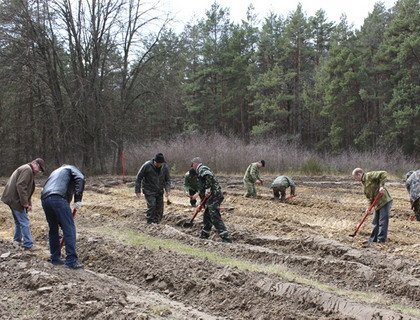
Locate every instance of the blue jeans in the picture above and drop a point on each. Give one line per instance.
(58, 213)
(380, 224)
(22, 228)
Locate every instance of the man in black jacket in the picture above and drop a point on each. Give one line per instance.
(62, 185)
(153, 179)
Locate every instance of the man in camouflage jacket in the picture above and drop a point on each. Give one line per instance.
(209, 187)
(374, 183)
(252, 177)
(279, 186)
(412, 184)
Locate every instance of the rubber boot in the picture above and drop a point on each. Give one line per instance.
(204, 234)
(225, 237)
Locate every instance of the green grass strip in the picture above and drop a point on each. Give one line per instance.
(136, 238)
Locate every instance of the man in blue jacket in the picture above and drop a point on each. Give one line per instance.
(63, 184)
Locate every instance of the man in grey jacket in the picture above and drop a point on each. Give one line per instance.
(17, 195)
(63, 184)
(153, 179)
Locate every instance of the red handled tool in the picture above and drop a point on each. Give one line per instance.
(190, 223)
(367, 213)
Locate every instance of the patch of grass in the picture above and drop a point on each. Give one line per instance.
(312, 167)
(136, 238)
(406, 310)
(161, 310)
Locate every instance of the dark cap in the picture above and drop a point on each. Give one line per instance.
(263, 163)
(159, 158)
(41, 163)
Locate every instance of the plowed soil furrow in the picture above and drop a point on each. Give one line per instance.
(287, 261)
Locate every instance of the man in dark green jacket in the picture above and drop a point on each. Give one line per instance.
(191, 185)
(17, 195)
(153, 179)
(374, 183)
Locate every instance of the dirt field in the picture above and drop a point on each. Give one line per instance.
(287, 261)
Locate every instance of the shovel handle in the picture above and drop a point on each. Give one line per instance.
(367, 213)
(62, 239)
(199, 208)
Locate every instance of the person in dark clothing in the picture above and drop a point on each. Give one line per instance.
(153, 179)
(63, 185)
(209, 187)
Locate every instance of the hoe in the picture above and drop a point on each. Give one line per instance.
(190, 223)
(367, 213)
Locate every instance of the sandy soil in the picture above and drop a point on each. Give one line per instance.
(287, 261)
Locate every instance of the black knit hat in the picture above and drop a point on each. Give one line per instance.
(159, 158)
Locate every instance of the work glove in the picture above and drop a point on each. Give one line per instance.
(77, 205)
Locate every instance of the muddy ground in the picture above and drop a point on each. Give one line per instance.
(287, 261)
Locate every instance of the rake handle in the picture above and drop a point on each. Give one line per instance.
(199, 208)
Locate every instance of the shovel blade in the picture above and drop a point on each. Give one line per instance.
(188, 224)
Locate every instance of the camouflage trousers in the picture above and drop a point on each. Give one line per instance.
(154, 212)
(250, 189)
(212, 218)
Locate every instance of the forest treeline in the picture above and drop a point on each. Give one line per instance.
(81, 80)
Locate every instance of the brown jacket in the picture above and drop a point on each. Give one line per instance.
(19, 188)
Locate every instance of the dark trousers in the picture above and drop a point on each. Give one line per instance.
(154, 213)
(279, 190)
(193, 202)
(58, 213)
(212, 217)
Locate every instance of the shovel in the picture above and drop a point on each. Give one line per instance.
(367, 213)
(190, 223)
(62, 239)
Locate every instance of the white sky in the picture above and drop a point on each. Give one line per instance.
(190, 10)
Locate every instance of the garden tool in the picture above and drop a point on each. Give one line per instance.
(190, 223)
(367, 213)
